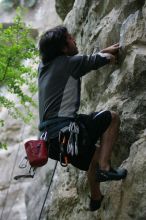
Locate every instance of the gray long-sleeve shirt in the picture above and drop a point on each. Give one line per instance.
(59, 83)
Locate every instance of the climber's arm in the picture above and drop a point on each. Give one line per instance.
(80, 65)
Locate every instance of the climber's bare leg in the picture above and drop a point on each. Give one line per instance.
(107, 141)
(102, 155)
(93, 184)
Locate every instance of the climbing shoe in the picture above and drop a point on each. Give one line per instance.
(112, 174)
(95, 204)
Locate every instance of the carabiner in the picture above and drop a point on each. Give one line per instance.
(23, 163)
(65, 163)
(32, 171)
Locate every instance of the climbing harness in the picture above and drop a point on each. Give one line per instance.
(37, 153)
(68, 141)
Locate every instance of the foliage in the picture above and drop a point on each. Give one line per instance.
(17, 47)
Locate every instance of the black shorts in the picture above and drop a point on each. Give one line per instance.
(91, 129)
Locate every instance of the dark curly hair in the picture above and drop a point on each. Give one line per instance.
(52, 42)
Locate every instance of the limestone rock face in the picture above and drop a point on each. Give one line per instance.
(63, 7)
(120, 87)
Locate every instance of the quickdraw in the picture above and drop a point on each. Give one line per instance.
(64, 160)
(68, 141)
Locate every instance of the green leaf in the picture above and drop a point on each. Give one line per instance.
(3, 146)
(16, 47)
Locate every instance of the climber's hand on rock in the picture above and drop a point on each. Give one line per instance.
(113, 49)
(112, 58)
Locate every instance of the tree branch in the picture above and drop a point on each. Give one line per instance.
(6, 69)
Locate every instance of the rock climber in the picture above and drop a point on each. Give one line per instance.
(60, 72)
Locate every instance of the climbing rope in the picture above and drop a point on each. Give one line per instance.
(48, 190)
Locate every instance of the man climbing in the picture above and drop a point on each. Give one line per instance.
(59, 83)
